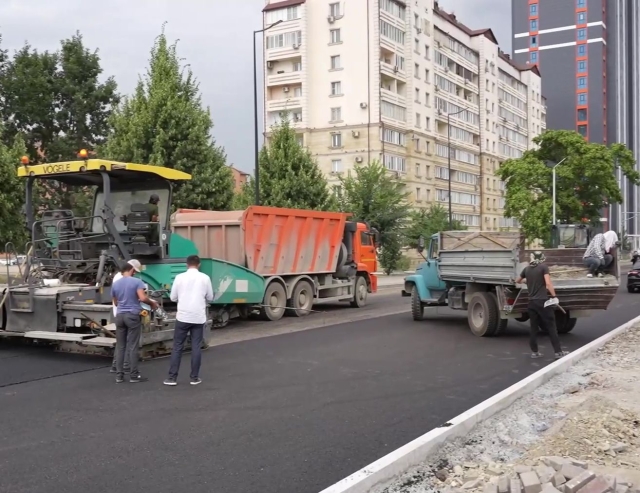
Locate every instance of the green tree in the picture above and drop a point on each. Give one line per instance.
(426, 222)
(163, 123)
(12, 225)
(585, 181)
(289, 176)
(57, 104)
(372, 196)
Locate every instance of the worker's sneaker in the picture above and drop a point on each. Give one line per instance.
(589, 276)
(536, 355)
(113, 370)
(561, 354)
(171, 382)
(600, 274)
(119, 379)
(137, 379)
(195, 381)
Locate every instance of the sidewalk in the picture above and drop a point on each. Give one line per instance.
(394, 280)
(578, 433)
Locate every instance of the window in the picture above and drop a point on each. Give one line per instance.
(426, 76)
(391, 32)
(582, 67)
(582, 17)
(392, 137)
(335, 62)
(427, 53)
(334, 9)
(287, 14)
(582, 50)
(582, 98)
(533, 25)
(581, 3)
(417, 170)
(336, 165)
(428, 124)
(284, 40)
(418, 197)
(393, 8)
(582, 82)
(297, 66)
(417, 144)
(533, 9)
(336, 140)
(582, 34)
(336, 114)
(335, 36)
(336, 88)
(582, 130)
(418, 118)
(534, 57)
(394, 163)
(427, 99)
(297, 116)
(582, 115)
(297, 92)
(416, 70)
(417, 91)
(534, 41)
(394, 111)
(416, 45)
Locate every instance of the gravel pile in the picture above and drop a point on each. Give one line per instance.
(587, 418)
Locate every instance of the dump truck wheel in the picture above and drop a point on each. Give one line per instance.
(564, 322)
(274, 302)
(631, 289)
(483, 315)
(301, 300)
(361, 291)
(417, 308)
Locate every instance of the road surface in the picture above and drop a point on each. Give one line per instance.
(294, 412)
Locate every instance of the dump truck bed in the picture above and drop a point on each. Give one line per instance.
(497, 258)
(268, 240)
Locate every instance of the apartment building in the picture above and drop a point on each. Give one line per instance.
(591, 49)
(403, 82)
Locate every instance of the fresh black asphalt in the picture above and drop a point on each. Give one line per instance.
(291, 413)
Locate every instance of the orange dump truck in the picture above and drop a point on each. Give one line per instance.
(306, 257)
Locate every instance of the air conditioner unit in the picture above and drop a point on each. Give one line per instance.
(296, 46)
(269, 65)
(439, 112)
(486, 219)
(285, 89)
(331, 19)
(500, 100)
(419, 31)
(395, 69)
(363, 106)
(446, 69)
(355, 134)
(438, 44)
(358, 159)
(437, 89)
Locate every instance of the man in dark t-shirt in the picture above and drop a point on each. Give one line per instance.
(154, 216)
(538, 280)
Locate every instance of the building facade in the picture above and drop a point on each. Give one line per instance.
(393, 81)
(591, 52)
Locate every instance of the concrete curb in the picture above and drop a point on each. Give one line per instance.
(384, 470)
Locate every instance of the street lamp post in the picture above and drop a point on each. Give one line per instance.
(553, 167)
(256, 169)
(449, 115)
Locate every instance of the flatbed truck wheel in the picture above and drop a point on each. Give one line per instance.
(301, 301)
(360, 292)
(564, 322)
(274, 302)
(417, 308)
(483, 314)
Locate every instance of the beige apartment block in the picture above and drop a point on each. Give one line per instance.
(402, 83)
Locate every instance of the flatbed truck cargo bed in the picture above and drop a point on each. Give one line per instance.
(477, 272)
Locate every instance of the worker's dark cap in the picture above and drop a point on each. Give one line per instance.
(154, 199)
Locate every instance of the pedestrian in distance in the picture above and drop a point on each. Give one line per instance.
(137, 267)
(192, 291)
(541, 309)
(127, 295)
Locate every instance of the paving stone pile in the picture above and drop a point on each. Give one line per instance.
(551, 474)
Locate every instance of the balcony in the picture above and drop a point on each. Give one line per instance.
(393, 97)
(283, 53)
(284, 104)
(392, 71)
(284, 78)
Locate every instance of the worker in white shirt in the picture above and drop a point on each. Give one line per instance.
(137, 267)
(192, 290)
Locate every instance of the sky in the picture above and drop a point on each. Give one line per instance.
(215, 39)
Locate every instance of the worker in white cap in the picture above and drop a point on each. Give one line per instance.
(137, 266)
